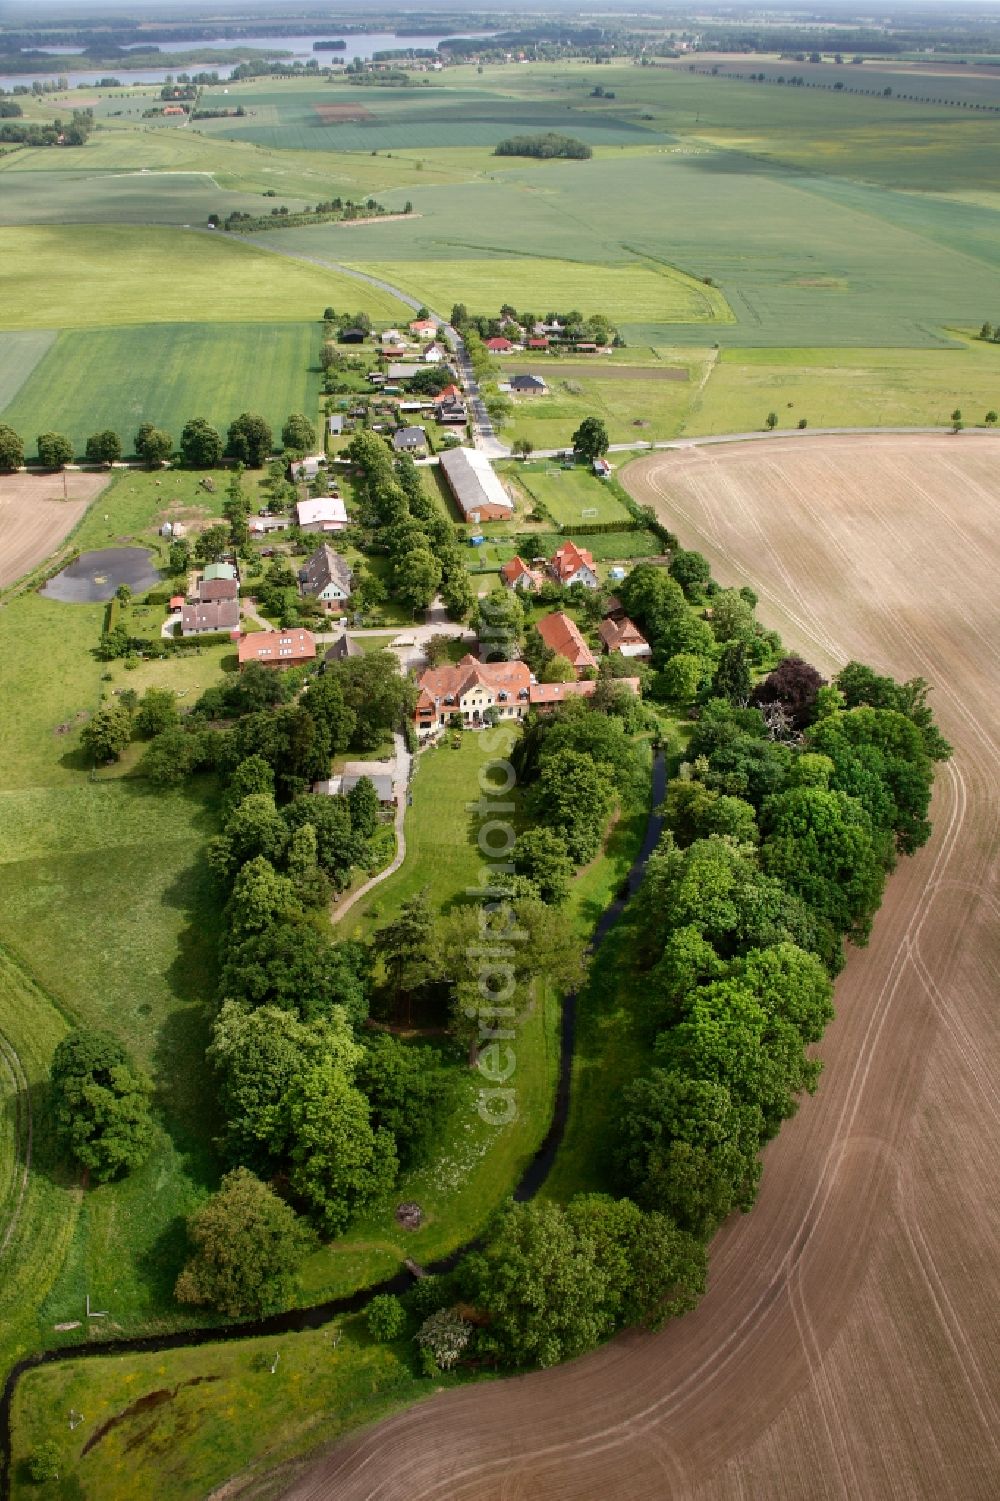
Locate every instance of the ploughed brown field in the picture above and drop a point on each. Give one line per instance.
(337, 114)
(849, 1343)
(34, 517)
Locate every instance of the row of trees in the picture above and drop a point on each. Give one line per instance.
(249, 440)
(780, 832)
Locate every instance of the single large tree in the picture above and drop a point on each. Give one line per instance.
(298, 433)
(591, 438)
(247, 1245)
(54, 450)
(106, 735)
(104, 447)
(11, 449)
(152, 444)
(250, 440)
(100, 1104)
(201, 444)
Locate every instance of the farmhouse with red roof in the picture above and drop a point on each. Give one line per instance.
(517, 575)
(470, 688)
(570, 564)
(562, 635)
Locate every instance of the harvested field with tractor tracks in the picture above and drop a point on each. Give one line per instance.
(35, 516)
(847, 1345)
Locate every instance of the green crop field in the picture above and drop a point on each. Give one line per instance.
(63, 278)
(798, 258)
(347, 118)
(164, 374)
(19, 355)
(634, 291)
(571, 496)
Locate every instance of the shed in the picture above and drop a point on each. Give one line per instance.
(335, 424)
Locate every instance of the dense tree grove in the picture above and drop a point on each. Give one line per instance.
(780, 832)
(11, 449)
(401, 521)
(546, 144)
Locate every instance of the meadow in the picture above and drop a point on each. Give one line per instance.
(848, 388)
(165, 373)
(632, 411)
(235, 1409)
(58, 277)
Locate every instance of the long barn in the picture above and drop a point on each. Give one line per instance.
(476, 486)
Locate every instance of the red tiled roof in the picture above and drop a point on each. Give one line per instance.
(562, 635)
(282, 647)
(450, 683)
(544, 695)
(616, 634)
(498, 344)
(538, 343)
(515, 569)
(448, 394)
(568, 559)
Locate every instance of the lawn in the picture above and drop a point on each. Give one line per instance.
(165, 373)
(848, 387)
(571, 496)
(105, 275)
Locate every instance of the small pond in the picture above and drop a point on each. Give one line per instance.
(94, 576)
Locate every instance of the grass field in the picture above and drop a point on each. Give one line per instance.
(570, 495)
(58, 278)
(165, 373)
(848, 388)
(38, 1212)
(230, 1411)
(636, 291)
(632, 411)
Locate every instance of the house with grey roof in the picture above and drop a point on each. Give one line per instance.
(411, 440)
(326, 577)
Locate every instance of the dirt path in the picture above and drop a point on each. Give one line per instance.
(847, 1345)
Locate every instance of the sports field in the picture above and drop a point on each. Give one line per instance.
(165, 373)
(571, 496)
(60, 277)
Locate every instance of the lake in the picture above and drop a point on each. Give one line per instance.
(364, 45)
